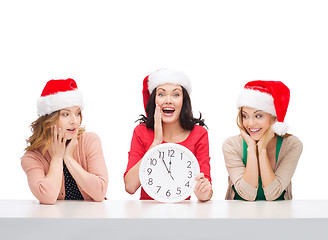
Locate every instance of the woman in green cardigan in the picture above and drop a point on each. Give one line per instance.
(262, 159)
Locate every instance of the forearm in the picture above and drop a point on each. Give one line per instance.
(251, 173)
(131, 179)
(55, 173)
(266, 172)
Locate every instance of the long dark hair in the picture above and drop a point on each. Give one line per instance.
(186, 117)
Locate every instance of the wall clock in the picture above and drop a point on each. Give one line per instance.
(167, 172)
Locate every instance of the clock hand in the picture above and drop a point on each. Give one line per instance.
(167, 169)
(165, 166)
(171, 176)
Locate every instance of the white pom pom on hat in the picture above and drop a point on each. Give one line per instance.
(268, 96)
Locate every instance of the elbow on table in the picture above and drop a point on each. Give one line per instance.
(99, 199)
(130, 188)
(48, 200)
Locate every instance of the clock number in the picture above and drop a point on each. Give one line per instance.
(181, 156)
(190, 174)
(171, 153)
(150, 181)
(161, 155)
(178, 191)
(168, 193)
(159, 188)
(189, 164)
(153, 161)
(187, 184)
(149, 170)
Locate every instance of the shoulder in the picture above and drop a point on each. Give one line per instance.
(199, 130)
(31, 157)
(142, 130)
(292, 141)
(89, 136)
(233, 143)
(89, 139)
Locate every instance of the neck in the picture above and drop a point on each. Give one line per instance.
(171, 131)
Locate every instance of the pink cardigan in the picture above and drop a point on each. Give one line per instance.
(88, 154)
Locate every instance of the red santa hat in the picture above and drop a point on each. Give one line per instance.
(164, 76)
(59, 94)
(268, 96)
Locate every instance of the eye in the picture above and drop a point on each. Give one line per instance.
(258, 116)
(176, 94)
(160, 94)
(244, 116)
(64, 114)
(78, 114)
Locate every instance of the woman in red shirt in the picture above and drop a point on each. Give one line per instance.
(169, 119)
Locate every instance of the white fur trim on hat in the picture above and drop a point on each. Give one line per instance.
(258, 100)
(280, 128)
(164, 76)
(60, 100)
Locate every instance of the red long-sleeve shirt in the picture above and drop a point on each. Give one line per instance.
(196, 142)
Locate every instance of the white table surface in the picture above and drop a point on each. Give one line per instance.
(152, 220)
(152, 209)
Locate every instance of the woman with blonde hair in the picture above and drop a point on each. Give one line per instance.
(262, 159)
(62, 161)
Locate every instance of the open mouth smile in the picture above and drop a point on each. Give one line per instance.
(168, 111)
(254, 130)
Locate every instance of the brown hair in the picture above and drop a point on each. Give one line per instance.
(41, 132)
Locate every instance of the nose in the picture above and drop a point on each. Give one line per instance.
(251, 121)
(73, 119)
(168, 99)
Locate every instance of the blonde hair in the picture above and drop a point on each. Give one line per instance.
(41, 132)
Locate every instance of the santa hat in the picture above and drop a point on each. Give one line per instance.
(164, 76)
(268, 96)
(59, 94)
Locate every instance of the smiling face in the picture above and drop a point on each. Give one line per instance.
(169, 97)
(256, 122)
(69, 120)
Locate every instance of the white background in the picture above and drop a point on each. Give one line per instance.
(108, 47)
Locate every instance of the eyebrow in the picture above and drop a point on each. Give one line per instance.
(172, 90)
(254, 112)
(65, 109)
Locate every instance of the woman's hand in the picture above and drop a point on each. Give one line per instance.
(71, 146)
(264, 141)
(58, 143)
(158, 130)
(251, 143)
(203, 188)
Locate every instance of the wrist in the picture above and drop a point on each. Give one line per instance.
(262, 152)
(57, 159)
(155, 143)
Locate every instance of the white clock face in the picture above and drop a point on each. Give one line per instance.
(168, 171)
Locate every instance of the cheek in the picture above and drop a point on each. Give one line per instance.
(59, 122)
(158, 101)
(244, 122)
(178, 103)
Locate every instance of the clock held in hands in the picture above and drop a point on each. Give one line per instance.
(167, 172)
